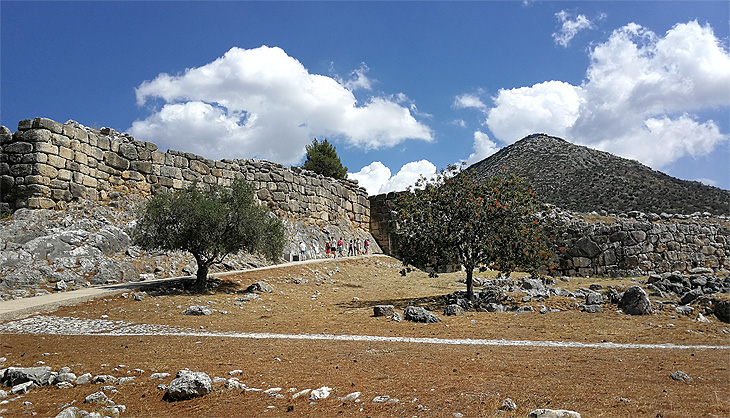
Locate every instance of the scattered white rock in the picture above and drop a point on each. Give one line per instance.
(301, 393)
(553, 413)
(321, 393)
(680, 376)
(350, 397)
(98, 398)
(508, 405)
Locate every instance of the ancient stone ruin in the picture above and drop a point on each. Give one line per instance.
(46, 164)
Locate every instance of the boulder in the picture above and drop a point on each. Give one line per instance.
(530, 283)
(680, 376)
(260, 287)
(508, 405)
(321, 393)
(83, 379)
(419, 314)
(69, 412)
(553, 413)
(593, 298)
(197, 310)
(453, 310)
(104, 378)
(187, 385)
(635, 301)
(592, 308)
(722, 311)
(690, 296)
(98, 398)
(383, 310)
(21, 388)
(40, 376)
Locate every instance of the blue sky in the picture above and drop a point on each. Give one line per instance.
(401, 88)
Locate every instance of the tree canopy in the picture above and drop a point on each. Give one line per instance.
(322, 158)
(457, 219)
(209, 222)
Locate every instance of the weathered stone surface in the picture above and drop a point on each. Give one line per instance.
(592, 308)
(383, 310)
(69, 412)
(187, 385)
(198, 310)
(114, 160)
(453, 310)
(260, 287)
(419, 314)
(680, 376)
(508, 405)
(722, 311)
(40, 376)
(635, 301)
(98, 398)
(553, 413)
(321, 393)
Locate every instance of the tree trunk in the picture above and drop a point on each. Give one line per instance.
(469, 283)
(201, 276)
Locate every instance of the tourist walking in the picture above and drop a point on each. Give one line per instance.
(302, 250)
(339, 246)
(350, 251)
(327, 248)
(367, 245)
(358, 247)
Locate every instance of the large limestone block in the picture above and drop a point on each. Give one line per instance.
(114, 160)
(187, 385)
(635, 301)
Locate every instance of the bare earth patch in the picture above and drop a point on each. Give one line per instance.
(336, 297)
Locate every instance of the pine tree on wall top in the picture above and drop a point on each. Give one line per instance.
(322, 158)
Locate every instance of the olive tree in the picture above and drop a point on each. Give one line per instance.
(210, 222)
(456, 218)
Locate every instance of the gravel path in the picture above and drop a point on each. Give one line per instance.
(55, 325)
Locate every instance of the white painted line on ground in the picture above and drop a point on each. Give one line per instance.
(446, 341)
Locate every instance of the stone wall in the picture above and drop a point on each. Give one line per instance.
(634, 244)
(46, 164)
(644, 244)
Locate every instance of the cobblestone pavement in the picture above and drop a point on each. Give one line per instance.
(55, 325)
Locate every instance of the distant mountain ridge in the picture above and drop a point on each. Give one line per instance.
(582, 179)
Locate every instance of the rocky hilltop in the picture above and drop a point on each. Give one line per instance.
(582, 179)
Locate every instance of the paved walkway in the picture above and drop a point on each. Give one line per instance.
(18, 308)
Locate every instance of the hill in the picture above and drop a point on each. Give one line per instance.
(582, 179)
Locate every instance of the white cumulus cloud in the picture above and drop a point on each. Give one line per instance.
(376, 178)
(569, 27)
(483, 148)
(551, 107)
(263, 103)
(466, 101)
(637, 100)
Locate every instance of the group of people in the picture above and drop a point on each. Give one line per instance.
(354, 247)
(337, 247)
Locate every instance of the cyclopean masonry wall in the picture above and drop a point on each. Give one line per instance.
(46, 164)
(635, 244)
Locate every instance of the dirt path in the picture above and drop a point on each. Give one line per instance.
(18, 308)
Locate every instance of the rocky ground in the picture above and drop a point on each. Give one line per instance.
(273, 342)
(89, 244)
